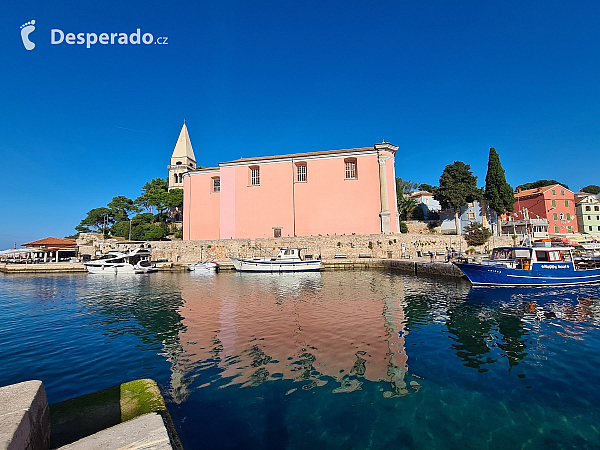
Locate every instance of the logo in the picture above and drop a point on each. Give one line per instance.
(26, 30)
(58, 37)
(89, 39)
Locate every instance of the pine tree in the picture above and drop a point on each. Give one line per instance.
(498, 192)
(458, 186)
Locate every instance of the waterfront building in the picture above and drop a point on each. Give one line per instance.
(555, 203)
(475, 211)
(536, 228)
(588, 214)
(305, 194)
(51, 249)
(428, 205)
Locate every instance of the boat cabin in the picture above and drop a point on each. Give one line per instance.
(525, 257)
(288, 254)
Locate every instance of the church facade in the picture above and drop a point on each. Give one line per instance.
(306, 194)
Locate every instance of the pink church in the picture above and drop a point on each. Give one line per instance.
(320, 193)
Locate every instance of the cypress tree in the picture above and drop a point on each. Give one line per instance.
(498, 192)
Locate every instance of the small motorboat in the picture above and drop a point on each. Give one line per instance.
(145, 266)
(204, 266)
(288, 260)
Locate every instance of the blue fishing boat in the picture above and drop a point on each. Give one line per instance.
(541, 264)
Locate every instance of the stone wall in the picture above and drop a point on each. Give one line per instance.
(388, 246)
(24, 413)
(421, 227)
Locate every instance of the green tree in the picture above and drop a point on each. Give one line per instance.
(122, 208)
(406, 206)
(476, 234)
(404, 187)
(428, 188)
(174, 198)
(499, 194)
(540, 183)
(97, 219)
(458, 186)
(154, 195)
(591, 189)
(156, 183)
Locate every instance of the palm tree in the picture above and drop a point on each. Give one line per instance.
(406, 206)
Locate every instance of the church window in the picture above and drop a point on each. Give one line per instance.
(301, 170)
(350, 168)
(255, 176)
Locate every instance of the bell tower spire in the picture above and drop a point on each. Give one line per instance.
(182, 159)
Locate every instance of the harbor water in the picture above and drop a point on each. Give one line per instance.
(338, 360)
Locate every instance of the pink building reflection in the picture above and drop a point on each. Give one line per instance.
(257, 327)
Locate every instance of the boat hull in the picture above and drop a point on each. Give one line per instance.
(548, 274)
(252, 265)
(110, 269)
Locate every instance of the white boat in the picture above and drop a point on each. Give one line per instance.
(288, 260)
(204, 266)
(133, 261)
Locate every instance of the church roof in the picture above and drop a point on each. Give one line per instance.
(183, 148)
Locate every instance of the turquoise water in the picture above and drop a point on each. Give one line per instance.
(354, 359)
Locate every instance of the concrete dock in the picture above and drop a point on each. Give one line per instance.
(416, 266)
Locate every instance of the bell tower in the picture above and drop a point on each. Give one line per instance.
(182, 159)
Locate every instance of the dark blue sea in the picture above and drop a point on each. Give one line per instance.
(333, 360)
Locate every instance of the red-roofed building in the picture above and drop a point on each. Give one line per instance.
(554, 203)
(52, 243)
(53, 249)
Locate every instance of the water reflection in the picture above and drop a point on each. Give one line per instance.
(259, 327)
(356, 359)
(508, 317)
(318, 328)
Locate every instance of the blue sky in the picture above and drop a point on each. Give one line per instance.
(444, 81)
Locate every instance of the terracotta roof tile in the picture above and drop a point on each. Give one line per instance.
(537, 190)
(51, 241)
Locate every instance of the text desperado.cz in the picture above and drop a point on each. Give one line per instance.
(58, 37)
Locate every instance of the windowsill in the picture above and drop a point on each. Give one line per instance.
(215, 192)
(350, 178)
(302, 181)
(254, 185)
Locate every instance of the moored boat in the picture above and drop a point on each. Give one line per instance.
(204, 266)
(114, 262)
(542, 264)
(289, 259)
